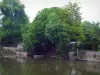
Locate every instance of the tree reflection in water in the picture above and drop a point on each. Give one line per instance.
(47, 67)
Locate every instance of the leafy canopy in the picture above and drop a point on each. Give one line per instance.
(14, 18)
(58, 25)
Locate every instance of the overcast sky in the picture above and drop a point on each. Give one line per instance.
(90, 8)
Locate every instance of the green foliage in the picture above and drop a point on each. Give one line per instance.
(58, 25)
(88, 30)
(56, 30)
(74, 21)
(91, 32)
(96, 34)
(29, 37)
(14, 18)
(75, 15)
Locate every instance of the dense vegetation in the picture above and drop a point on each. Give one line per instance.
(13, 19)
(56, 25)
(92, 33)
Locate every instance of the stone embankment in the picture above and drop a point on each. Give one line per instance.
(86, 55)
(12, 52)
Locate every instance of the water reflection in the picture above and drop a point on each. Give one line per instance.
(47, 67)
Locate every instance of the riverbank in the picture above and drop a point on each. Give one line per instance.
(85, 55)
(12, 52)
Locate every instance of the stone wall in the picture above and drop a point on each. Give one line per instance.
(13, 51)
(93, 56)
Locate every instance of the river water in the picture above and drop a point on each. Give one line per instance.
(47, 67)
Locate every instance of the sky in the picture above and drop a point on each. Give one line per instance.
(89, 8)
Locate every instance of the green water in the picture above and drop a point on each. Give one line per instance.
(47, 67)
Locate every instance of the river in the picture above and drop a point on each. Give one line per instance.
(31, 66)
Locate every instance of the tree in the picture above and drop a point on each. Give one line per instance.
(75, 15)
(74, 21)
(91, 32)
(88, 30)
(57, 25)
(29, 37)
(14, 18)
(57, 30)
